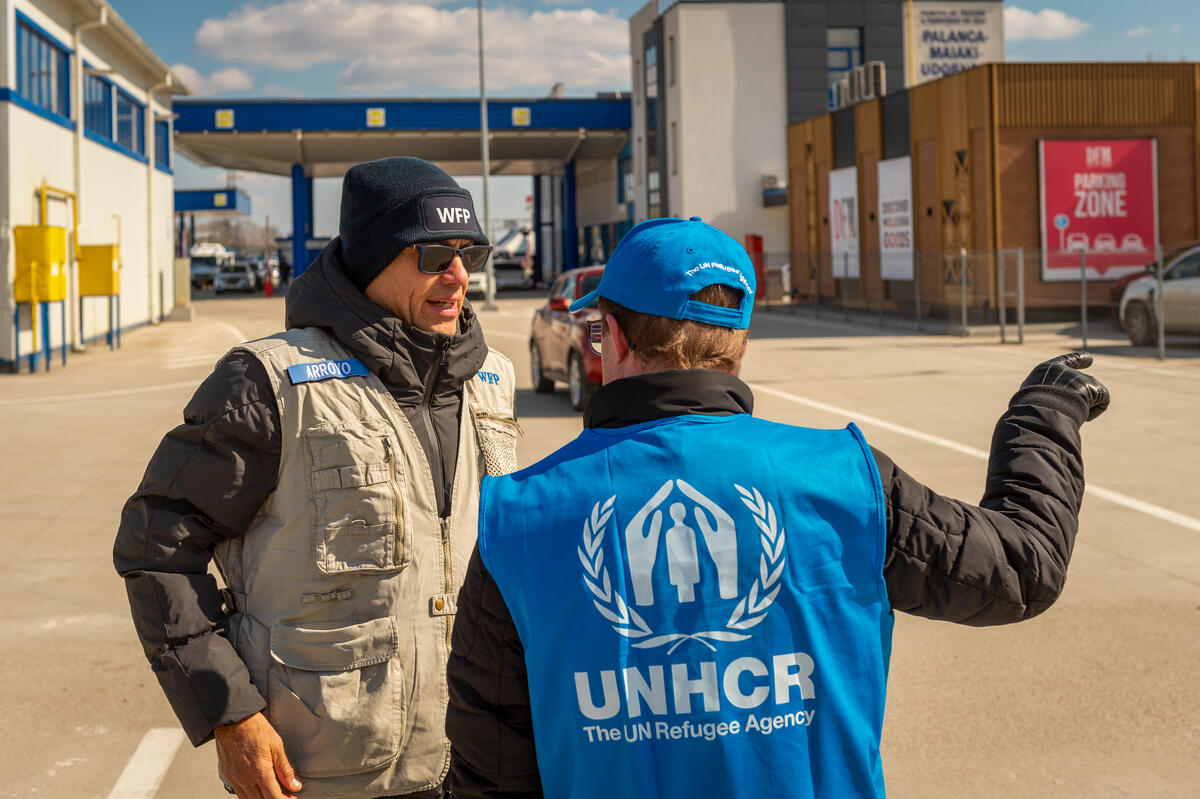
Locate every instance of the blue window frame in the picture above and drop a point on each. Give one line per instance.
(43, 69)
(162, 144)
(98, 106)
(131, 123)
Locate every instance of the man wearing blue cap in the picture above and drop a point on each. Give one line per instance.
(686, 601)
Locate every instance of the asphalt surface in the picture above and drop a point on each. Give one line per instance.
(1096, 698)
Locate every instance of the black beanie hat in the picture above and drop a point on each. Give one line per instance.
(393, 203)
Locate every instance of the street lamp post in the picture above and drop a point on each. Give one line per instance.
(485, 148)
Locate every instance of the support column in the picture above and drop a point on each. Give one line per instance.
(301, 219)
(539, 246)
(570, 224)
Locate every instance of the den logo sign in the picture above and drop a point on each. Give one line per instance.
(1099, 204)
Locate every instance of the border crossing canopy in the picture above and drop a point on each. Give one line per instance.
(309, 139)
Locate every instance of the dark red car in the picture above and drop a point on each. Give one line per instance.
(558, 348)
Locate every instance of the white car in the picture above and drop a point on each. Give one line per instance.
(1181, 302)
(477, 284)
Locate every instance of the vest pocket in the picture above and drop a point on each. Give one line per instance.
(357, 498)
(497, 440)
(336, 695)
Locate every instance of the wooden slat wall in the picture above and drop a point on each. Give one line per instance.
(1093, 95)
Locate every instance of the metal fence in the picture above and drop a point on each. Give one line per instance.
(997, 292)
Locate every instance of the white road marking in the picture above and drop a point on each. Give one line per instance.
(233, 331)
(146, 769)
(506, 334)
(89, 395)
(1158, 512)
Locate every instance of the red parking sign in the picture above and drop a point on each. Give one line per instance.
(1099, 197)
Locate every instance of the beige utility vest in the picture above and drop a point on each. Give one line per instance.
(345, 583)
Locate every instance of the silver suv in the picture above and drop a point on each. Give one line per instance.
(1181, 301)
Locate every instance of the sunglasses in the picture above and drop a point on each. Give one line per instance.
(595, 335)
(433, 259)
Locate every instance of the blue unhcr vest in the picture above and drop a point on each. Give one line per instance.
(702, 608)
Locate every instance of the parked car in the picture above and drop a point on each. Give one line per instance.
(512, 264)
(477, 284)
(237, 277)
(1180, 301)
(558, 348)
(207, 259)
(513, 260)
(1117, 289)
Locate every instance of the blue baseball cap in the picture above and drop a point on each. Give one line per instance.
(661, 263)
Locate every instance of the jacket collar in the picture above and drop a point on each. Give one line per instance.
(402, 356)
(658, 395)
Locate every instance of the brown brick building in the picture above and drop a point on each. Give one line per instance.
(973, 140)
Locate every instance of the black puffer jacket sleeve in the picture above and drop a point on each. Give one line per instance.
(488, 722)
(204, 484)
(1001, 561)
(1005, 559)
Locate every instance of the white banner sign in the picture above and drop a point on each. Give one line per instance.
(951, 37)
(896, 219)
(843, 221)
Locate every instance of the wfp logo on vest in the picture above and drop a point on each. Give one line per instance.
(656, 543)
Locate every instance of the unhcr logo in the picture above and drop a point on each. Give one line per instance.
(645, 538)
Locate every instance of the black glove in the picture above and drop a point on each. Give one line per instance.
(1058, 384)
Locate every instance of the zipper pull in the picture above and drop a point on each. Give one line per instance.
(446, 528)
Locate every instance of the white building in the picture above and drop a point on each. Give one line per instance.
(85, 109)
(710, 115)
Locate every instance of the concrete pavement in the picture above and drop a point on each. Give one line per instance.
(1095, 698)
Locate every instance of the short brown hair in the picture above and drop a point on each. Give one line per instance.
(682, 342)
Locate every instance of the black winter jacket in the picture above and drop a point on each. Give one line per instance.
(209, 477)
(998, 562)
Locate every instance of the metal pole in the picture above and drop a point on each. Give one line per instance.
(485, 148)
(1021, 295)
(880, 263)
(815, 260)
(845, 284)
(1083, 320)
(962, 273)
(17, 336)
(63, 321)
(1003, 304)
(1160, 307)
(917, 287)
(46, 348)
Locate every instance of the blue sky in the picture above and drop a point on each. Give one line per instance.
(410, 48)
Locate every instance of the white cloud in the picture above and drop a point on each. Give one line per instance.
(279, 90)
(1020, 23)
(1140, 30)
(1176, 28)
(223, 80)
(404, 45)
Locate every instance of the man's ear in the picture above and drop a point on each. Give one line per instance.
(620, 343)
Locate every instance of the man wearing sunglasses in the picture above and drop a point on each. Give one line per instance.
(688, 601)
(332, 471)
